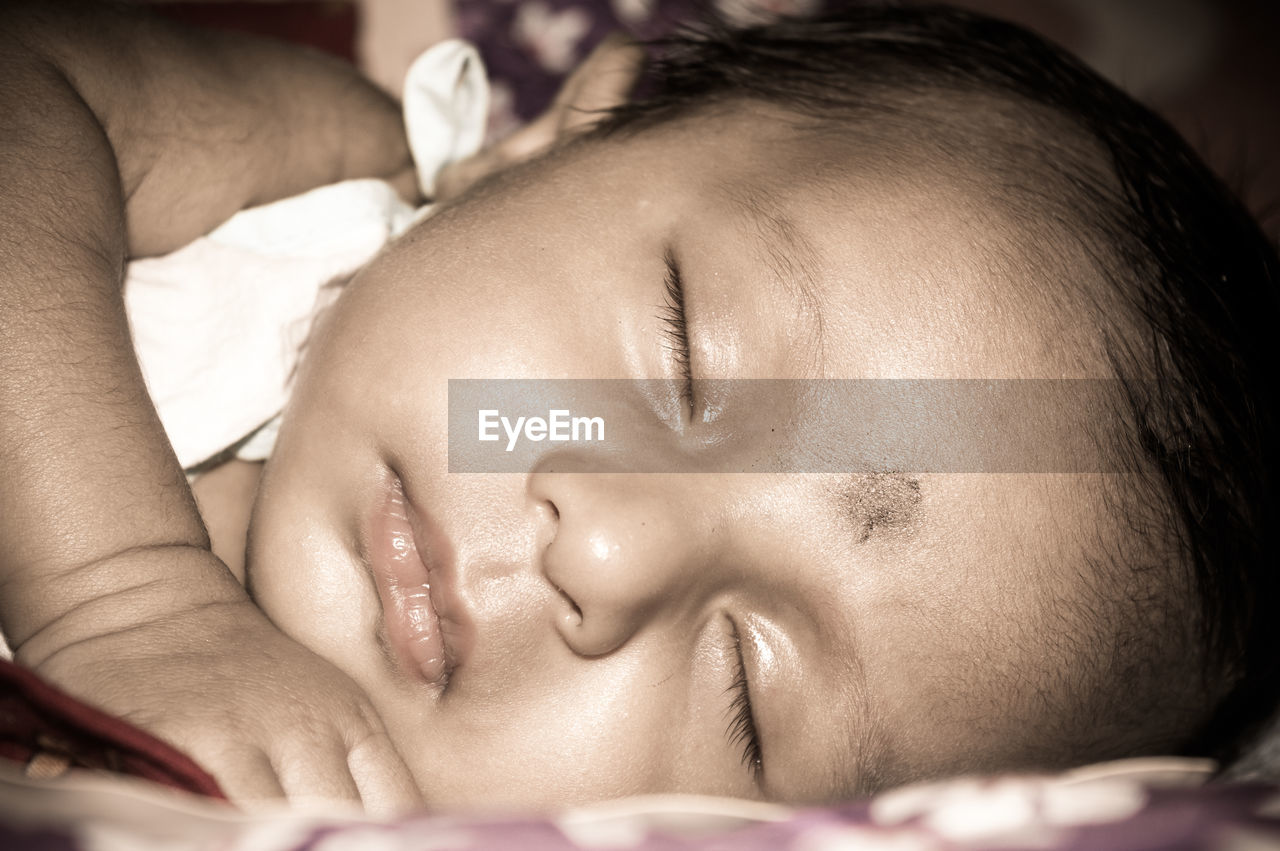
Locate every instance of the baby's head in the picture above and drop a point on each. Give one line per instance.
(896, 194)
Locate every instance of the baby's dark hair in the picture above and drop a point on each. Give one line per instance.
(1192, 276)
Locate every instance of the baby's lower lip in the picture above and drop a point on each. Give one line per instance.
(404, 580)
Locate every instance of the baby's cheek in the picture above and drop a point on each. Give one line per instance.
(972, 631)
(580, 736)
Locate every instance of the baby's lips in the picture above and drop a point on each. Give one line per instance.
(455, 626)
(424, 639)
(412, 586)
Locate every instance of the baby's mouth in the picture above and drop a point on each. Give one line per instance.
(410, 566)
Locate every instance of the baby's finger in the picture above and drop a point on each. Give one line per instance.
(251, 783)
(603, 81)
(386, 785)
(317, 771)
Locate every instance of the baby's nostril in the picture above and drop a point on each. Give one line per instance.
(576, 611)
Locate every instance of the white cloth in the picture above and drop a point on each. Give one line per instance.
(218, 325)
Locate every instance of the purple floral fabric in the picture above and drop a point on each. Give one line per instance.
(1003, 813)
(1106, 813)
(530, 46)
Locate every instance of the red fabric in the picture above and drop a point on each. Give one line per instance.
(37, 718)
(328, 25)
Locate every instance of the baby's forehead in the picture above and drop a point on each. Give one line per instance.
(912, 267)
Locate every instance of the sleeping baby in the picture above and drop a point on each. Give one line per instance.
(900, 197)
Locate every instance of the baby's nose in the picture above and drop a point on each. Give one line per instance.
(627, 549)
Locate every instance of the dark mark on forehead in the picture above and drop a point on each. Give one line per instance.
(879, 501)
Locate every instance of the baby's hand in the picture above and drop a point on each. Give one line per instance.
(264, 715)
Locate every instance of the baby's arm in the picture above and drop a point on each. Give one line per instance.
(123, 136)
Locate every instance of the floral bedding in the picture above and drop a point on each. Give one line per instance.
(72, 777)
(1135, 804)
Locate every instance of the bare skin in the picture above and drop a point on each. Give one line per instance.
(106, 557)
(224, 496)
(890, 628)
(606, 609)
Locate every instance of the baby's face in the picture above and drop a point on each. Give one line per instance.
(889, 626)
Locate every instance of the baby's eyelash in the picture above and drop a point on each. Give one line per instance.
(742, 726)
(676, 327)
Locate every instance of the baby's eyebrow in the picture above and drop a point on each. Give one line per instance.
(788, 253)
